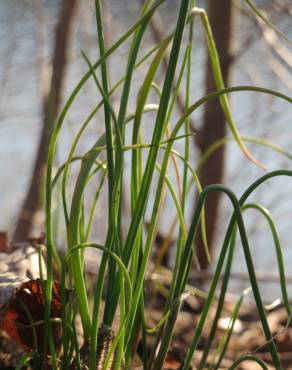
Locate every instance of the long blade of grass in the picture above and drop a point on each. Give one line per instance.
(107, 113)
(248, 139)
(227, 274)
(168, 150)
(160, 184)
(280, 263)
(136, 165)
(279, 253)
(112, 255)
(238, 217)
(115, 222)
(232, 223)
(123, 271)
(50, 244)
(158, 132)
(253, 358)
(255, 9)
(176, 203)
(106, 102)
(93, 207)
(147, 177)
(220, 85)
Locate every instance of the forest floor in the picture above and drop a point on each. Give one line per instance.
(247, 336)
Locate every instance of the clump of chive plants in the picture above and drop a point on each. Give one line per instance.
(121, 272)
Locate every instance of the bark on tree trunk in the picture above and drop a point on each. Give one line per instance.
(221, 15)
(32, 202)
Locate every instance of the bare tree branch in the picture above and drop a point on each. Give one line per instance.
(32, 202)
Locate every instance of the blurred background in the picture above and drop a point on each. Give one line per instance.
(40, 63)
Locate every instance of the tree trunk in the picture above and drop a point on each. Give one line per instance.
(221, 15)
(33, 200)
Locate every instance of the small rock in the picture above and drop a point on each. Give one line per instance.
(16, 268)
